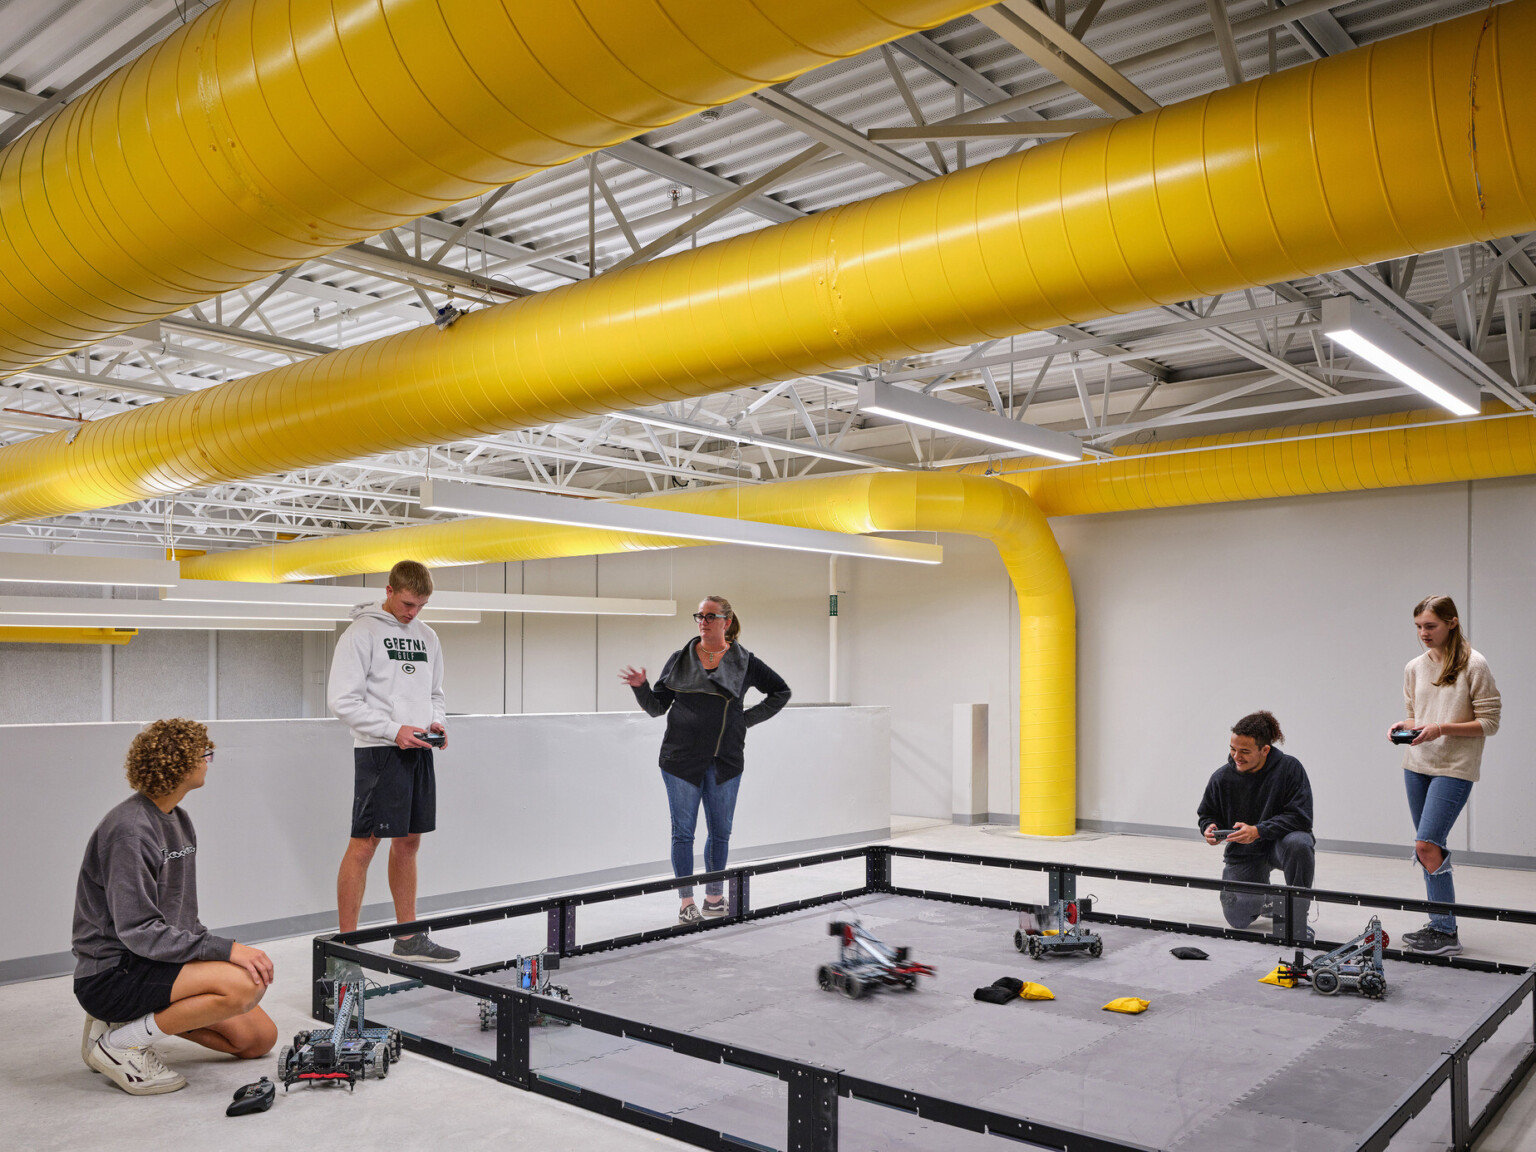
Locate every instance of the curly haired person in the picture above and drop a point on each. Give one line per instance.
(145, 966)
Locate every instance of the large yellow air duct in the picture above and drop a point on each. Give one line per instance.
(1393, 450)
(1345, 161)
(885, 502)
(268, 132)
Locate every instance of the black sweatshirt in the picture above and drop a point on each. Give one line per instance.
(1277, 799)
(706, 720)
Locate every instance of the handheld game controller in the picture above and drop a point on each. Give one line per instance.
(1405, 735)
(250, 1098)
(436, 739)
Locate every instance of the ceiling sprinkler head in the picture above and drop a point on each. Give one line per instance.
(709, 115)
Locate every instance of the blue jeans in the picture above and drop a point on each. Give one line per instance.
(1434, 802)
(719, 807)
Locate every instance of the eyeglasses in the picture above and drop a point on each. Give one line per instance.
(710, 617)
(208, 755)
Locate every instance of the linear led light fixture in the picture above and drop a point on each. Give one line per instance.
(210, 615)
(120, 571)
(881, 399)
(444, 601)
(1348, 322)
(799, 447)
(446, 496)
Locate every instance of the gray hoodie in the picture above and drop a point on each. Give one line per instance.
(385, 674)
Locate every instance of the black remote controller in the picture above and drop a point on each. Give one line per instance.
(436, 739)
(1405, 735)
(1222, 833)
(255, 1097)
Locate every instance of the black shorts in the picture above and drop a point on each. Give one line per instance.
(135, 988)
(394, 792)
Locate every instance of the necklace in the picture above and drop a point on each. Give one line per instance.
(705, 653)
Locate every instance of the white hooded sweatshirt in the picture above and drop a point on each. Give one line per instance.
(385, 674)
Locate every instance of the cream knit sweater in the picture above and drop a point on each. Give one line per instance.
(1474, 696)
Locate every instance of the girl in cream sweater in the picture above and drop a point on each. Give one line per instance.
(1452, 705)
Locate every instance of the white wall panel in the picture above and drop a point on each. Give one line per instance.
(159, 674)
(523, 802)
(1190, 618)
(1502, 810)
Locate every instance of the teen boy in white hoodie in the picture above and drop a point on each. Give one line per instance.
(387, 686)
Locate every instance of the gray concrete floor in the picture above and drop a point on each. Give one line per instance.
(51, 1101)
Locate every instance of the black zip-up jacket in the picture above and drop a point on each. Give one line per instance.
(706, 719)
(1277, 799)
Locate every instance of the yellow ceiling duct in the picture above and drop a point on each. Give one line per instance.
(1394, 450)
(267, 132)
(1348, 160)
(884, 502)
(116, 637)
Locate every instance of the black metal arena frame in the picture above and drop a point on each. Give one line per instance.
(814, 1092)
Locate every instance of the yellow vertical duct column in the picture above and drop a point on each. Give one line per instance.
(1348, 160)
(885, 502)
(267, 132)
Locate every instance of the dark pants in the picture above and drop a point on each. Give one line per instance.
(719, 802)
(1294, 854)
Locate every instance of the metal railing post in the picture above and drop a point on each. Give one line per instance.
(1461, 1106)
(561, 935)
(739, 889)
(318, 972)
(514, 1017)
(812, 1110)
(877, 868)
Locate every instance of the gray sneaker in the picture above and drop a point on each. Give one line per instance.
(714, 907)
(689, 914)
(422, 947)
(1428, 941)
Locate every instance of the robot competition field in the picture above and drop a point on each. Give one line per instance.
(1219, 1061)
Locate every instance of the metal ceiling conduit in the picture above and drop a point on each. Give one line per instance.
(265, 133)
(883, 502)
(1346, 161)
(1393, 450)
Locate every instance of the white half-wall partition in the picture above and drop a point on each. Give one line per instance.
(526, 804)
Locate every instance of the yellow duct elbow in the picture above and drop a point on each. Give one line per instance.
(885, 502)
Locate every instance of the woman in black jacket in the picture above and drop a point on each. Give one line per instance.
(702, 689)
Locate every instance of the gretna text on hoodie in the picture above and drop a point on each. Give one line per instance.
(386, 674)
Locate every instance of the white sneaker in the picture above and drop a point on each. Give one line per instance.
(93, 1029)
(137, 1071)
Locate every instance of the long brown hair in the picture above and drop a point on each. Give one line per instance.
(733, 629)
(1457, 648)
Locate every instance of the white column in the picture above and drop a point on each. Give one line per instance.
(832, 629)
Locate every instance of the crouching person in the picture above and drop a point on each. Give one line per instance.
(1263, 798)
(145, 967)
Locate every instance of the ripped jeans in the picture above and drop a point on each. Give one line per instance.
(1434, 802)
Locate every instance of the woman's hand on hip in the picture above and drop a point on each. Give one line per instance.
(631, 677)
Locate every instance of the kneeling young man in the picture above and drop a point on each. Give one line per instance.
(1264, 796)
(145, 967)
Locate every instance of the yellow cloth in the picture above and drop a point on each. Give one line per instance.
(1036, 992)
(1278, 980)
(1130, 1005)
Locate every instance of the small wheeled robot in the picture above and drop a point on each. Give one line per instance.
(1356, 965)
(1057, 930)
(348, 1051)
(532, 976)
(863, 963)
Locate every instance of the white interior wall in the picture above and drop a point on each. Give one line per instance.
(1187, 618)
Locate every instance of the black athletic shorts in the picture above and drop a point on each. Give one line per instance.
(394, 792)
(135, 988)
